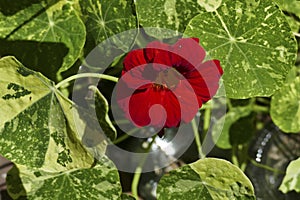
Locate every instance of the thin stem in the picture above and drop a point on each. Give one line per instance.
(121, 138)
(197, 139)
(135, 182)
(258, 108)
(244, 154)
(205, 106)
(125, 136)
(138, 171)
(229, 104)
(243, 166)
(266, 167)
(263, 100)
(86, 75)
(206, 122)
(121, 121)
(234, 157)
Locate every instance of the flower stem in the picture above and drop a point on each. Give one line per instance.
(234, 157)
(206, 122)
(125, 136)
(244, 149)
(258, 108)
(138, 171)
(135, 182)
(197, 139)
(243, 166)
(86, 75)
(266, 167)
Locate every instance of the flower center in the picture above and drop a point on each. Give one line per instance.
(168, 78)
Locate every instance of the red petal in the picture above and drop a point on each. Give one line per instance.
(188, 100)
(187, 54)
(205, 80)
(125, 98)
(133, 59)
(138, 76)
(147, 105)
(123, 94)
(158, 52)
(153, 107)
(140, 105)
(196, 40)
(172, 106)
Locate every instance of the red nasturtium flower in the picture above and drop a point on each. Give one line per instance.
(171, 76)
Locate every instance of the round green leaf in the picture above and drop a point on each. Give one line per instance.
(285, 107)
(291, 181)
(104, 19)
(48, 37)
(99, 182)
(253, 41)
(208, 178)
(38, 126)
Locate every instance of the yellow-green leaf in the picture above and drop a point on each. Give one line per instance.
(291, 181)
(253, 41)
(168, 17)
(99, 182)
(209, 178)
(39, 127)
(285, 107)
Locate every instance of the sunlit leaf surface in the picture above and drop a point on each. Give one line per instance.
(209, 178)
(244, 36)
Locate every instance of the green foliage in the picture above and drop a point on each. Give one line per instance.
(127, 197)
(98, 182)
(41, 134)
(104, 19)
(291, 181)
(224, 135)
(40, 120)
(291, 6)
(167, 14)
(210, 5)
(285, 107)
(99, 104)
(207, 178)
(244, 35)
(48, 37)
(53, 142)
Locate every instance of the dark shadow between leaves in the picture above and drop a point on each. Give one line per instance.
(44, 57)
(242, 130)
(14, 184)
